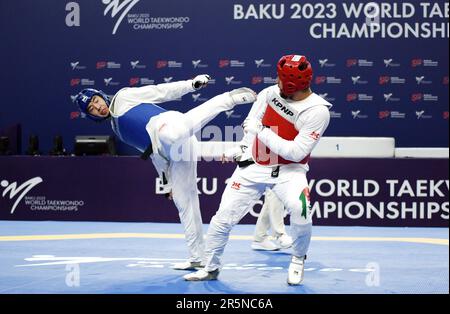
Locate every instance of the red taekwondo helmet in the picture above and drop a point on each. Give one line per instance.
(295, 73)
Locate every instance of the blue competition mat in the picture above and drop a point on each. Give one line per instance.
(136, 258)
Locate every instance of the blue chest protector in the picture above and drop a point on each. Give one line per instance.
(130, 127)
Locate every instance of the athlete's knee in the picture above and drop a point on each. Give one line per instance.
(222, 224)
(299, 208)
(301, 215)
(171, 133)
(166, 134)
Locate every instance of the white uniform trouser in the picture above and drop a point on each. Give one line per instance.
(174, 135)
(271, 216)
(245, 187)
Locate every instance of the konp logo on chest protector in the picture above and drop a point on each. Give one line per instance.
(283, 109)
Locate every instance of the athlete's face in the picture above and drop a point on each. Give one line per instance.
(97, 107)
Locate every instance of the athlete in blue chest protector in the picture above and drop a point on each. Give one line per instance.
(167, 137)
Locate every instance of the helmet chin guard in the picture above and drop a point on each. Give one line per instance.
(84, 98)
(295, 74)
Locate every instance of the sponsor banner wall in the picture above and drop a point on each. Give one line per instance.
(383, 64)
(353, 192)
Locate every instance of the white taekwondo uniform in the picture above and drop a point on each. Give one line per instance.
(139, 122)
(281, 153)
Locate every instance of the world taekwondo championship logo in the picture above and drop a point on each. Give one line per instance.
(20, 194)
(120, 9)
(12, 190)
(116, 7)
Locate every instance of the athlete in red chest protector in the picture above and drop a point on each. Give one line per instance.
(283, 127)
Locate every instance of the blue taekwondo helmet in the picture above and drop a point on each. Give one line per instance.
(84, 98)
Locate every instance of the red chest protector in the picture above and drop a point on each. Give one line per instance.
(280, 117)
